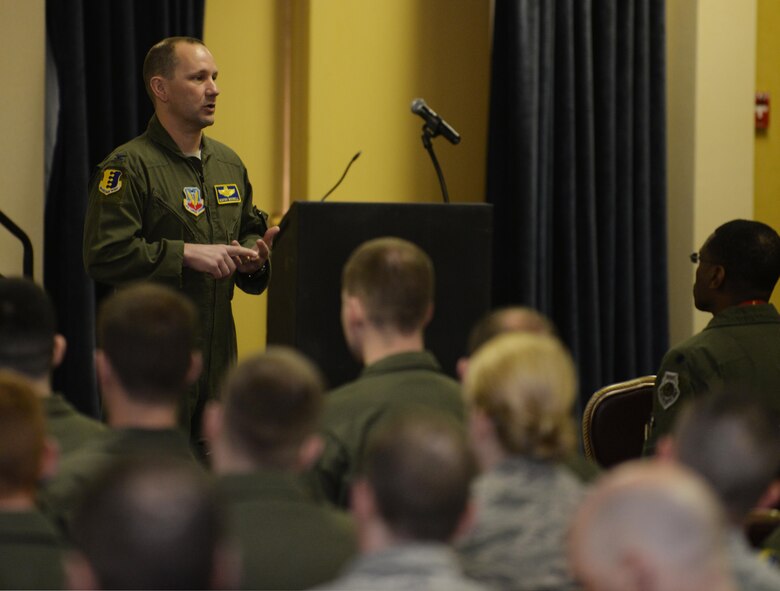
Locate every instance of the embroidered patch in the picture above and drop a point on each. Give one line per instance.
(669, 389)
(227, 193)
(111, 181)
(193, 202)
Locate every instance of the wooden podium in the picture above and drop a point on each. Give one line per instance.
(304, 297)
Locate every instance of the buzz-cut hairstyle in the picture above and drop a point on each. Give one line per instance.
(509, 319)
(161, 60)
(27, 327)
(526, 384)
(749, 251)
(149, 333)
(22, 435)
(271, 403)
(732, 439)
(150, 523)
(420, 468)
(394, 279)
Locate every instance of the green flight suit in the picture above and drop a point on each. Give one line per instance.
(287, 541)
(30, 552)
(60, 496)
(67, 426)
(738, 349)
(145, 201)
(392, 384)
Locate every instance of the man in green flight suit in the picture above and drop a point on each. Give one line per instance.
(739, 349)
(175, 207)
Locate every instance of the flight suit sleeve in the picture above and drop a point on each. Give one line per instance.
(119, 245)
(254, 224)
(673, 388)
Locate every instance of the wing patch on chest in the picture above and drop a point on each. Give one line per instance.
(227, 193)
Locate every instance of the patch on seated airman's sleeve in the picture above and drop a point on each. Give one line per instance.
(111, 181)
(227, 193)
(669, 389)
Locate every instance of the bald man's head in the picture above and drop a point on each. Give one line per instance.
(649, 526)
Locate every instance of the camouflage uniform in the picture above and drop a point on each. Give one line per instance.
(67, 426)
(287, 541)
(523, 512)
(30, 552)
(739, 347)
(750, 572)
(418, 566)
(145, 201)
(353, 410)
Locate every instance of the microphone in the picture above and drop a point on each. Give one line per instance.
(436, 124)
(346, 170)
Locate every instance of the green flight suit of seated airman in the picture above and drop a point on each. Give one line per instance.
(287, 540)
(739, 349)
(412, 379)
(30, 552)
(67, 426)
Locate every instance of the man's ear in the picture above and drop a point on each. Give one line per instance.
(58, 351)
(196, 367)
(159, 88)
(665, 449)
(354, 311)
(309, 452)
(50, 459)
(718, 276)
(213, 420)
(461, 368)
(104, 369)
(466, 521)
(78, 571)
(362, 501)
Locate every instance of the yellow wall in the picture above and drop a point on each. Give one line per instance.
(22, 42)
(711, 79)
(767, 143)
(356, 66)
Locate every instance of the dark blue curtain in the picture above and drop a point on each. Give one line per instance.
(577, 176)
(98, 48)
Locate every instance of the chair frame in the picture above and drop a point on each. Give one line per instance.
(598, 397)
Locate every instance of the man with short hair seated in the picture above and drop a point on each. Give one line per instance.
(262, 434)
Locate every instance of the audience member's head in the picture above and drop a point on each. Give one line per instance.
(415, 482)
(650, 526)
(29, 343)
(25, 454)
(269, 413)
(520, 389)
(150, 524)
(733, 441)
(500, 321)
(387, 287)
(740, 261)
(147, 337)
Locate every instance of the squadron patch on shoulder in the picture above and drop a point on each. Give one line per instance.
(193, 202)
(227, 193)
(111, 182)
(669, 389)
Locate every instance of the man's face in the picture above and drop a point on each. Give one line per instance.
(701, 291)
(193, 91)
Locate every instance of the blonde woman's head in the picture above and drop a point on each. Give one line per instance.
(525, 384)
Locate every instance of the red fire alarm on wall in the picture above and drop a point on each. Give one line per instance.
(762, 110)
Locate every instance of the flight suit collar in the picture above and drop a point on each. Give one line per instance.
(410, 360)
(160, 135)
(741, 315)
